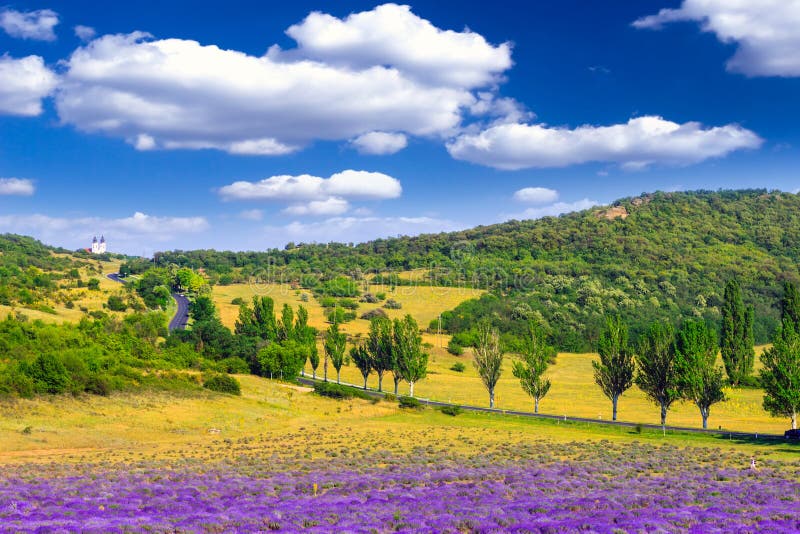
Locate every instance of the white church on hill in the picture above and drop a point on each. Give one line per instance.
(99, 247)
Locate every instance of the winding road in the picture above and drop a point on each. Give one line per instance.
(181, 317)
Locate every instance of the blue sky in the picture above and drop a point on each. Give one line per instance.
(245, 125)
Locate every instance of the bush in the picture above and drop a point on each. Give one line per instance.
(390, 397)
(369, 298)
(454, 348)
(117, 303)
(98, 385)
(410, 403)
(223, 383)
(339, 392)
(49, 374)
(458, 367)
(380, 296)
(349, 304)
(93, 284)
(392, 304)
(238, 301)
(377, 312)
(233, 365)
(451, 410)
(338, 315)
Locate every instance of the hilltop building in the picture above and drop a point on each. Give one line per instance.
(98, 247)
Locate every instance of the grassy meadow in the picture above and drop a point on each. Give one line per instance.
(573, 391)
(272, 418)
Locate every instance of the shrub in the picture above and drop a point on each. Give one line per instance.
(390, 397)
(98, 385)
(410, 403)
(223, 383)
(93, 284)
(338, 315)
(454, 348)
(69, 305)
(233, 365)
(327, 302)
(349, 304)
(458, 367)
(238, 301)
(380, 296)
(117, 303)
(49, 374)
(340, 392)
(451, 410)
(369, 298)
(377, 312)
(392, 304)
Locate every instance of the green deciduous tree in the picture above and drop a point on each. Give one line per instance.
(379, 345)
(534, 359)
(614, 372)
(488, 358)
(282, 360)
(657, 376)
(412, 362)
(335, 344)
(790, 306)
(363, 360)
(258, 321)
(286, 325)
(699, 379)
(736, 340)
(780, 376)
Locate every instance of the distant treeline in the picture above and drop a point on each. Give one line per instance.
(667, 255)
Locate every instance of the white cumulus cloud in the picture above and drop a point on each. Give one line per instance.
(638, 143)
(329, 206)
(391, 34)
(130, 234)
(16, 186)
(359, 229)
(552, 210)
(23, 84)
(85, 33)
(379, 143)
(36, 25)
(536, 195)
(346, 184)
(766, 31)
(374, 78)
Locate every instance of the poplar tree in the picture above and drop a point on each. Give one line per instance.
(736, 340)
(535, 358)
(488, 358)
(780, 376)
(363, 360)
(614, 372)
(335, 344)
(411, 361)
(655, 360)
(699, 379)
(379, 345)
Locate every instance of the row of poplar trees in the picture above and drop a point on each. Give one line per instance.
(391, 347)
(669, 366)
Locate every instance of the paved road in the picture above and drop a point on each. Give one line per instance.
(181, 317)
(722, 433)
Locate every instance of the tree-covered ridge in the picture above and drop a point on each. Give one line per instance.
(661, 255)
(30, 271)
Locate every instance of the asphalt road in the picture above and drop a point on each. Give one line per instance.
(722, 433)
(181, 317)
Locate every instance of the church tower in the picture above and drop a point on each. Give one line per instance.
(101, 248)
(95, 246)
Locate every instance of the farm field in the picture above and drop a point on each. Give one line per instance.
(280, 458)
(573, 391)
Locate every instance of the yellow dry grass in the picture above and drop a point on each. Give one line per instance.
(424, 303)
(284, 419)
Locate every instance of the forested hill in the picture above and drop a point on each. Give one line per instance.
(657, 255)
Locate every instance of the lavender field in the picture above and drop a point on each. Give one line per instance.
(539, 487)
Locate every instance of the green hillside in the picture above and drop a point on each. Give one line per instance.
(661, 255)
